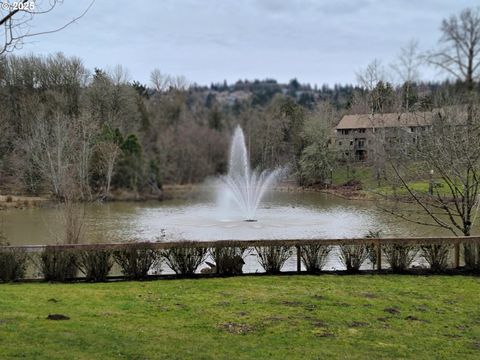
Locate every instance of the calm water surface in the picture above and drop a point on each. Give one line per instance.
(281, 215)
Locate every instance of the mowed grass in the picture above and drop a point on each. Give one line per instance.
(359, 172)
(252, 317)
(366, 176)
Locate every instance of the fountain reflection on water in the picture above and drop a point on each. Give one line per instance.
(243, 187)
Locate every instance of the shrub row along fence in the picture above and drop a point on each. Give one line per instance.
(94, 262)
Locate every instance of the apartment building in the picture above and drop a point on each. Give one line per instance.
(358, 137)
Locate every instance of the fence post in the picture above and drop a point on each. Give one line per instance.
(457, 256)
(379, 256)
(299, 259)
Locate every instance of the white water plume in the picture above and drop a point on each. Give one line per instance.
(244, 186)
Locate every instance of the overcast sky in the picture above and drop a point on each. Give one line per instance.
(208, 41)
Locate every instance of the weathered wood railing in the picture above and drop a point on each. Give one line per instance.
(253, 243)
(294, 243)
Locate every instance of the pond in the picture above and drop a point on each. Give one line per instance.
(281, 215)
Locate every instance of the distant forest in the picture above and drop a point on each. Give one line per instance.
(65, 127)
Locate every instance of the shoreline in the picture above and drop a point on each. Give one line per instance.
(10, 201)
(175, 191)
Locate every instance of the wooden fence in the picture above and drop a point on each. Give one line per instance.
(455, 242)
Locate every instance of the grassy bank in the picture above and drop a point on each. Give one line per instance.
(288, 317)
(363, 176)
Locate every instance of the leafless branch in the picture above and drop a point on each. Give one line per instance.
(16, 23)
(460, 55)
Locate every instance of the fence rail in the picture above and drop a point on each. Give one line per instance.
(453, 240)
(297, 246)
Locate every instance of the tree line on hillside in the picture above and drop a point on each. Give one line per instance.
(65, 128)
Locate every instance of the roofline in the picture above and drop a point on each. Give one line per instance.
(421, 115)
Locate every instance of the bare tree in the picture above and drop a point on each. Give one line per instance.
(178, 82)
(119, 75)
(373, 80)
(60, 147)
(6, 133)
(407, 68)
(163, 82)
(108, 154)
(408, 62)
(447, 157)
(17, 17)
(85, 130)
(369, 77)
(49, 145)
(377, 90)
(460, 54)
(73, 218)
(160, 81)
(449, 149)
(444, 155)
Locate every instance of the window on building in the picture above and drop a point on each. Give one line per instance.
(345, 131)
(340, 143)
(351, 142)
(361, 131)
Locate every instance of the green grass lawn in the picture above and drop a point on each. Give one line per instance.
(417, 187)
(274, 317)
(366, 176)
(359, 172)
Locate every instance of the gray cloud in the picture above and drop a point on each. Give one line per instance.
(212, 40)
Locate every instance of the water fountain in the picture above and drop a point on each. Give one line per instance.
(242, 185)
